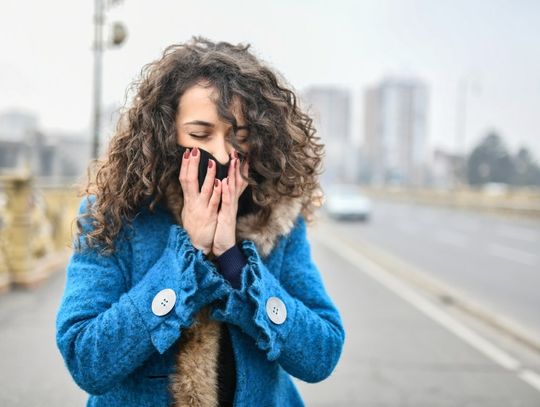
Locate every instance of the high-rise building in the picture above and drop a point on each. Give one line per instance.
(50, 157)
(18, 125)
(395, 134)
(330, 108)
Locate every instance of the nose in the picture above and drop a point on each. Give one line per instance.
(221, 150)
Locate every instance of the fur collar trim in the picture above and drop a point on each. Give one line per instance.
(194, 382)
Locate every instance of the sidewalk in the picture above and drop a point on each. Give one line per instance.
(32, 371)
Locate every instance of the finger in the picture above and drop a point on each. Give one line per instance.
(183, 169)
(242, 182)
(246, 168)
(225, 191)
(216, 195)
(193, 172)
(239, 180)
(208, 184)
(232, 175)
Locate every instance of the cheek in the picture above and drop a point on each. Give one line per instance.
(181, 137)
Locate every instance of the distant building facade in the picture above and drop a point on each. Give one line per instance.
(17, 125)
(447, 169)
(330, 107)
(395, 132)
(52, 158)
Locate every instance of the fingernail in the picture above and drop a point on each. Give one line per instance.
(216, 183)
(210, 163)
(186, 153)
(194, 152)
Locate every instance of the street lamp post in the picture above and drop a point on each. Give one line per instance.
(98, 57)
(465, 83)
(118, 37)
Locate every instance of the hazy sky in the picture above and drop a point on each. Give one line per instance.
(46, 58)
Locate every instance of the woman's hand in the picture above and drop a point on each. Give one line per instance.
(231, 189)
(199, 211)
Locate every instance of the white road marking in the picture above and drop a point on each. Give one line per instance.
(453, 238)
(402, 290)
(515, 255)
(530, 377)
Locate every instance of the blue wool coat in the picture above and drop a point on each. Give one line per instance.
(123, 354)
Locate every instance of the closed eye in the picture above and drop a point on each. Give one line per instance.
(240, 139)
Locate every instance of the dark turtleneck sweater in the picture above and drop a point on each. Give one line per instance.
(230, 264)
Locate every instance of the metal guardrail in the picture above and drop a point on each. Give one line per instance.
(524, 203)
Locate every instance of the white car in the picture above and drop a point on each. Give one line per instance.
(347, 202)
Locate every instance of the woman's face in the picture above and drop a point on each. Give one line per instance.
(198, 123)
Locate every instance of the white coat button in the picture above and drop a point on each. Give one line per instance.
(276, 310)
(163, 302)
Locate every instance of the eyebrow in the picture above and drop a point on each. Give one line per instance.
(207, 124)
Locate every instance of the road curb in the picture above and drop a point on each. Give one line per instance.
(444, 292)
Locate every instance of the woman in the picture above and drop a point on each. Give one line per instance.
(192, 282)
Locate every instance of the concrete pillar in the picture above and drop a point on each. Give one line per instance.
(4, 270)
(19, 233)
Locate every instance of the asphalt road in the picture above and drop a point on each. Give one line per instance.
(395, 355)
(492, 259)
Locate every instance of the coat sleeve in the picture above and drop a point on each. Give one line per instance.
(309, 342)
(104, 331)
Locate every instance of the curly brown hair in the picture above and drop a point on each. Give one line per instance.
(141, 165)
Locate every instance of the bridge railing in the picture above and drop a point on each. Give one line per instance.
(35, 229)
(521, 202)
